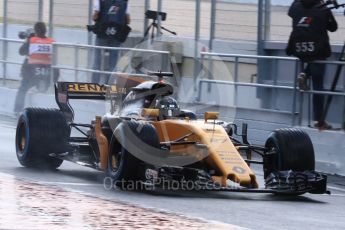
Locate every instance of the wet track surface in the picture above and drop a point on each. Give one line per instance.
(74, 197)
(27, 204)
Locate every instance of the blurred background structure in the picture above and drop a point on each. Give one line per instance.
(213, 26)
(203, 26)
(230, 19)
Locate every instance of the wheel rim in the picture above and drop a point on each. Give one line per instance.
(115, 160)
(21, 139)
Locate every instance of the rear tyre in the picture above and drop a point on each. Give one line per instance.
(123, 165)
(294, 151)
(39, 133)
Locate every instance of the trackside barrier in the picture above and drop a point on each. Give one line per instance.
(236, 83)
(75, 66)
(78, 47)
(4, 57)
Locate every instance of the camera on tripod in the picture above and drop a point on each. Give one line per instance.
(154, 15)
(28, 33)
(333, 4)
(90, 28)
(150, 14)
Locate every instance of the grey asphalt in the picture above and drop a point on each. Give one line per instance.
(253, 211)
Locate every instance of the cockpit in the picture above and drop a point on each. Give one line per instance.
(153, 95)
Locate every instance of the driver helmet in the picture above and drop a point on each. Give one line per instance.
(168, 107)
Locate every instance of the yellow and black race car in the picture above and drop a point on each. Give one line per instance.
(147, 139)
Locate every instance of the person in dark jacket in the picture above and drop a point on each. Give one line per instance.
(309, 41)
(107, 13)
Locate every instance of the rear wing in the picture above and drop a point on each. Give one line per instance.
(84, 91)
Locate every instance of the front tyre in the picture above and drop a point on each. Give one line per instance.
(123, 165)
(293, 151)
(290, 163)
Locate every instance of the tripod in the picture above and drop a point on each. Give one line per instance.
(154, 26)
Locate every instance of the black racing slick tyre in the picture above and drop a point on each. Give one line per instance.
(39, 133)
(293, 150)
(123, 162)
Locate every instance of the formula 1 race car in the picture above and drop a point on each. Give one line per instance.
(148, 139)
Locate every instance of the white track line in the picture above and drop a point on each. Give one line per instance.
(336, 188)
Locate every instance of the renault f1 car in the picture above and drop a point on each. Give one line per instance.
(148, 139)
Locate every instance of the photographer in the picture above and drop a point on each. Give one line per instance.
(111, 19)
(309, 41)
(37, 64)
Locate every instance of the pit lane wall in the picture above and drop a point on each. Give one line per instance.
(329, 145)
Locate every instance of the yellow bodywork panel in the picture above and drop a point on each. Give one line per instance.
(102, 142)
(222, 154)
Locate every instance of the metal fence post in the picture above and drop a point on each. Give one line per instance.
(267, 21)
(236, 81)
(212, 24)
(294, 100)
(159, 22)
(76, 62)
(343, 121)
(275, 82)
(260, 27)
(196, 38)
(198, 84)
(54, 62)
(146, 20)
(5, 19)
(4, 43)
(212, 36)
(51, 11)
(89, 35)
(89, 22)
(199, 70)
(40, 11)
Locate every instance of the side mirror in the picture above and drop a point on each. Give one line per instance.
(150, 112)
(211, 116)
